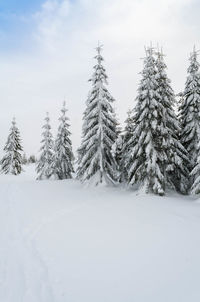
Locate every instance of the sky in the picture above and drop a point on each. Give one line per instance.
(47, 51)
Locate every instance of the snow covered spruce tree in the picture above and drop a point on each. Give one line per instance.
(175, 155)
(190, 118)
(11, 163)
(195, 173)
(63, 157)
(45, 165)
(128, 130)
(128, 133)
(96, 163)
(149, 152)
(117, 153)
(24, 159)
(144, 159)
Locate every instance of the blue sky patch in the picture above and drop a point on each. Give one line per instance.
(19, 6)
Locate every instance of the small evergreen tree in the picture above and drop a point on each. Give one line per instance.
(44, 166)
(24, 159)
(126, 144)
(190, 118)
(117, 153)
(128, 131)
(11, 163)
(63, 157)
(95, 160)
(32, 159)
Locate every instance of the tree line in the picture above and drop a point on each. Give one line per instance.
(158, 150)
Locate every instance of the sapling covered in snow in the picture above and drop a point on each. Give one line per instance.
(63, 157)
(45, 167)
(24, 159)
(129, 123)
(32, 159)
(117, 152)
(11, 163)
(190, 117)
(96, 163)
(128, 133)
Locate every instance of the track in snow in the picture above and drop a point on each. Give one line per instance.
(23, 273)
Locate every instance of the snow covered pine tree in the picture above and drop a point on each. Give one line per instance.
(174, 154)
(117, 153)
(95, 160)
(190, 120)
(127, 136)
(63, 156)
(24, 159)
(144, 158)
(11, 163)
(44, 166)
(148, 158)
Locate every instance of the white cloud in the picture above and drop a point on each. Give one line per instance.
(50, 21)
(63, 39)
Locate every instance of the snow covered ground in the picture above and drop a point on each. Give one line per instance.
(62, 242)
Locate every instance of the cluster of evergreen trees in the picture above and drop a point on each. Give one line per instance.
(56, 158)
(159, 148)
(28, 160)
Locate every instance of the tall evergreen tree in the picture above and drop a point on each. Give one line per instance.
(144, 159)
(190, 116)
(95, 160)
(174, 154)
(11, 163)
(63, 158)
(45, 166)
(154, 156)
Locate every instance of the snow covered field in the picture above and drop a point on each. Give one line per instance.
(62, 242)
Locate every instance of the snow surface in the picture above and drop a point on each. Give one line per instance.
(60, 241)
